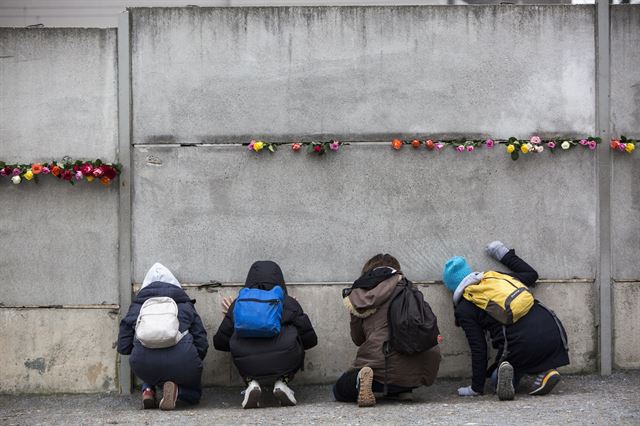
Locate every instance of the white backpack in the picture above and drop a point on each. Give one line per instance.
(158, 325)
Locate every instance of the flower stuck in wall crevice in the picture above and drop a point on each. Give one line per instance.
(65, 170)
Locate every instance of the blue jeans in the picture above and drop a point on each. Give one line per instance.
(188, 395)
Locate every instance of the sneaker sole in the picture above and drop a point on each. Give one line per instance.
(366, 398)
(547, 385)
(148, 404)
(169, 396)
(506, 391)
(283, 398)
(253, 399)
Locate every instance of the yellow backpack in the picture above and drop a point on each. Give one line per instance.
(505, 298)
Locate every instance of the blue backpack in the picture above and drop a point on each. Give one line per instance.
(258, 313)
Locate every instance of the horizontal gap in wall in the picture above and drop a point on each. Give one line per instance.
(101, 306)
(632, 281)
(212, 285)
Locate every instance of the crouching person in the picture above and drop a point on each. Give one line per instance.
(267, 333)
(528, 336)
(166, 339)
(383, 364)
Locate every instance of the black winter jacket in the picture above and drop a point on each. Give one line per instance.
(279, 356)
(534, 343)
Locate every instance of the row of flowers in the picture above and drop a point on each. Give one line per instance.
(514, 146)
(65, 170)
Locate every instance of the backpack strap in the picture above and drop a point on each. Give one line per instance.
(386, 350)
(505, 348)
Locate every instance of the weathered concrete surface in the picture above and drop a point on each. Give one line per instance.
(58, 350)
(359, 73)
(577, 400)
(57, 93)
(208, 212)
(626, 339)
(60, 243)
(573, 303)
(625, 215)
(625, 62)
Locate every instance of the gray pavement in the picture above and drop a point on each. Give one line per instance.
(584, 400)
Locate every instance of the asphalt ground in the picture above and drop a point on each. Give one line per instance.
(576, 400)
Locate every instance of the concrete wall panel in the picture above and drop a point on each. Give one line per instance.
(64, 248)
(209, 212)
(58, 94)
(58, 350)
(625, 78)
(625, 216)
(360, 73)
(626, 340)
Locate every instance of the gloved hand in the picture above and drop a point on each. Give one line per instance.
(467, 391)
(497, 250)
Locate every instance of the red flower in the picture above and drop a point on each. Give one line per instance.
(86, 169)
(317, 148)
(76, 167)
(67, 175)
(415, 143)
(296, 146)
(109, 172)
(429, 144)
(396, 144)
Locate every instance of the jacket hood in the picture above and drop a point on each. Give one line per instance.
(265, 274)
(363, 302)
(162, 289)
(159, 272)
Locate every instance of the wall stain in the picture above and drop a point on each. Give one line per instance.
(94, 371)
(37, 364)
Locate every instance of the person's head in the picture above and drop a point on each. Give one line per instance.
(265, 274)
(454, 272)
(381, 260)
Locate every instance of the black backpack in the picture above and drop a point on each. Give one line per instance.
(413, 328)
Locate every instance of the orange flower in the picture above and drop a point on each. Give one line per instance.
(105, 180)
(36, 168)
(415, 143)
(429, 144)
(396, 144)
(56, 171)
(615, 143)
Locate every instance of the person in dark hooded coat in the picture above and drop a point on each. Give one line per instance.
(178, 368)
(268, 359)
(536, 344)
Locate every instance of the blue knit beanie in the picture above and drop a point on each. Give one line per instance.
(454, 272)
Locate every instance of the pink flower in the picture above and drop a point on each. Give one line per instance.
(551, 144)
(621, 147)
(535, 140)
(45, 171)
(78, 175)
(592, 145)
(460, 148)
(2, 172)
(583, 142)
(296, 146)
(470, 148)
(334, 145)
(16, 172)
(439, 146)
(489, 143)
(252, 142)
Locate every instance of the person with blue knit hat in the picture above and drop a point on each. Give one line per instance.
(535, 343)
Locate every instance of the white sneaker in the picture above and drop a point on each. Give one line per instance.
(285, 395)
(252, 395)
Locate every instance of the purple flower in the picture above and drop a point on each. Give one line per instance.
(622, 146)
(592, 145)
(583, 142)
(470, 148)
(16, 172)
(439, 146)
(45, 171)
(459, 148)
(551, 144)
(334, 145)
(489, 143)
(535, 140)
(251, 144)
(78, 175)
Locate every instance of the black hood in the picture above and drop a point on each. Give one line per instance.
(265, 274)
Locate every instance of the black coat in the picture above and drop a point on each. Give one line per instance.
(181, 363)
(279, 356)
(534, 342)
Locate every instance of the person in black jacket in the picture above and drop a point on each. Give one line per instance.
(179, 367)
(267, 359)
(535, 344)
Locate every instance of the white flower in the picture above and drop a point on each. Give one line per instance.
(566, 145)
(539, 148)
(530, 147)
(16, 180)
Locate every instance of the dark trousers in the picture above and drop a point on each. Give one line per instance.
(188, 395)
(345, 389)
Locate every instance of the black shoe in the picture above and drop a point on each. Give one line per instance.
(545, 382)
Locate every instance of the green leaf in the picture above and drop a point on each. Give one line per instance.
(515, 155)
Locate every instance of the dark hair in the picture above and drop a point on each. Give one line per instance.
(381, 260)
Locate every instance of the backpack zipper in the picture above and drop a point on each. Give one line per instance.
(269, 301)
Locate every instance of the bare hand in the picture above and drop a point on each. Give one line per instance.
(226, 303)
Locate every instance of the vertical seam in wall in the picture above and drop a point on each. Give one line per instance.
(604, 169)
(125, 184)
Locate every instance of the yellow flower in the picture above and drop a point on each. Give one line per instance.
(258, 146)
(90, 178)
(630, 147)
(28, 175)
(510, 148)
(524, 148)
